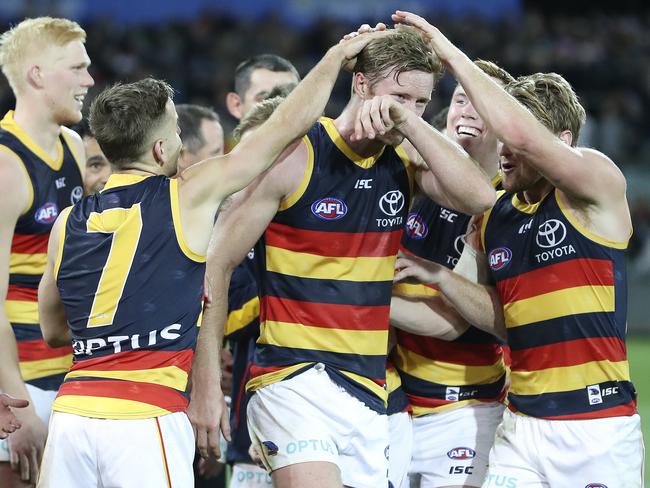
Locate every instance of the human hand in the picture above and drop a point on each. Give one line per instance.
(26, 446)
(208, 415)
(8, 421)
(414, 269)
(353, 43)
(442, 46)
(377, 116)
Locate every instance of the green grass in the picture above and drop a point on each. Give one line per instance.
(638, 349)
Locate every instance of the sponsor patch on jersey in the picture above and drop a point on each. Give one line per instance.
(271, 448)
(416, 228)
(329, 208)
(47, 214)
(499, 258)
(461, 453)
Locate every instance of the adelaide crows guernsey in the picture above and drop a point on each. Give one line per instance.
(54, 185)
(132, 292)
(328, 261)
(564, 296)
(442, 375)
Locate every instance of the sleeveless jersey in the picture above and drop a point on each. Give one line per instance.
(328, 261)
(564, 296)
(132, 292)
(54, 185)
(440, 375)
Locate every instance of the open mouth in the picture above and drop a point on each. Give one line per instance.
(465, 130)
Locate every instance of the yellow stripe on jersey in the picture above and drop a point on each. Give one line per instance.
(286, 334)
(29, 264)
(240, 318)
(41, 368)
(178, 227)
(393, 380)
(445, 373)
(273, 377)
(410, 169)
(568, 378)
(413, 291)
(290, 200)
(340, 143)
(105, 407)
(21, 312)
(369, 384)
(306, 265)
(561, 303)
(9, 124)
(59, 253)
(171, 376)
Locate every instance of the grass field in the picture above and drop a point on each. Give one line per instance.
(639, 357)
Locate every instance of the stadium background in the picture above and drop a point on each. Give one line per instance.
(603, 49)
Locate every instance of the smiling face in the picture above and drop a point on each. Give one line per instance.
(98, 169)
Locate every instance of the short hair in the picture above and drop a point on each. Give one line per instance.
(189, 120)
(83, 128)
(31, 36)
(439, 121)
(256, 116)
(281, 90)
(494, 71)
(551, 99)
(403, 50)
(271, 62)
(123, 117)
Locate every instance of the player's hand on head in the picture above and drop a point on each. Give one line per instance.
(439, 43)
(412, 269)
(377, 116)
(352, 44)
(26, 447)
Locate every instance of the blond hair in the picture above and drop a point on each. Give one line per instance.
(30, 37)
(256, 116)
(494, 71)
(551, 99)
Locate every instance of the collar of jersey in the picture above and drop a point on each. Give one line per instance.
(339, 142)
(529, 208)
(9, 124)
(123, 179)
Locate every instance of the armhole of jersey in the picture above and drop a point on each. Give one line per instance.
(29, 180)
(73, 151)
(603, 241)
(410, 169)
(486, 217)
(59, 254)
(290, 200)
(178, 229)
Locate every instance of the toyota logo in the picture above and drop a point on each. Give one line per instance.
(550, 234)
(76, 194)
(459, 244)
(392, 203)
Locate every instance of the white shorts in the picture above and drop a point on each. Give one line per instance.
(530, 452)
(83, 452)
(246, 475)
(42, 400)
(399, 452)
(451, 448)
(311, 418)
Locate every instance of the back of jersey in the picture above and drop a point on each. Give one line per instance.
(132, 290)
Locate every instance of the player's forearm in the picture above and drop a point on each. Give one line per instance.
(428, 316)
(464, 184)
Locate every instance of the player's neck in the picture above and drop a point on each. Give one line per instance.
(344, 124)
(536, 193)
(38, 124)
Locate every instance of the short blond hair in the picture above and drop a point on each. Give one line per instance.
(30, 37)
(256, 116)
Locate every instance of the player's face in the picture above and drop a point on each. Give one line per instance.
(98, 169)
(66, 81)
(412, 89)
(261, 83)
(517, 174)
(212, 134)
(465, 126)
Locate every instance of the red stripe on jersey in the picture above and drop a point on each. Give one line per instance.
(137, 360)
(29, 243)
(427, 402)
(450, 352)
(560, 276)
(335, 244)
(349, 317)
(618, 411)
(569, 353)
(38, 349)
(150, 393)
(262, 370)
(22, 293)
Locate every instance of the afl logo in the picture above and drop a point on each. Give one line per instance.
(499, 258)
(47, 213)
(461, 453)
(415, 227)
(329, 208)
(550, 234)
(392, 203)
(76, 194)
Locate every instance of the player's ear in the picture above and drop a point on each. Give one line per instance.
(360, 86)
(35, 76)
(158, 152)
(566, 136)
(234, 105)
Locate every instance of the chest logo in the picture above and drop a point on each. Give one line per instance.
(47, 214)
(416, 228)
(329, 208)
(392, 203)
(499, 258)
(550, 234)
(76, 194)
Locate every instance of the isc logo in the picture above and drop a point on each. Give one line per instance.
(47, 213)
(415, 227)
(499, 258)
(329, 208)
(461, 453)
